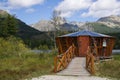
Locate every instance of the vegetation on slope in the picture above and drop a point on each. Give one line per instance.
(101, 28)
(8, 26)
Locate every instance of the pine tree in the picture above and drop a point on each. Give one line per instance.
(8, 26)
(12, 25)
(3, 27)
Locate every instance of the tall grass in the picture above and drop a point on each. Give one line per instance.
(17, 62)
(110, 68)
(15, 68)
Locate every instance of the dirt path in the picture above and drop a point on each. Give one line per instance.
(56, 77)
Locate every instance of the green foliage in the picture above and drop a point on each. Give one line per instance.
(117, 39)
(12, 46)
(43, 47)
(101, 28)
(8, 26)
(38, 43)
(110, 68)
(17, 62)
(43, 39)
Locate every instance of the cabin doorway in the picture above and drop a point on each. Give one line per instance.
(83, 43)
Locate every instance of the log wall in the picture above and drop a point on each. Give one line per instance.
(82, 42)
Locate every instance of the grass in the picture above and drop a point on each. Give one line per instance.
(110, 68)
(17, 62)
(32, 65)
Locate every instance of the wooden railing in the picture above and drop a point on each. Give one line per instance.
(62, 61)
(90, 66)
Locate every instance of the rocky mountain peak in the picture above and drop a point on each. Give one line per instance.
(44, 25)
(110, 18)
(111, 21)
(3, 12)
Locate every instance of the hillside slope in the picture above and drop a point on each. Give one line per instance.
(112, 21)
(31, 36)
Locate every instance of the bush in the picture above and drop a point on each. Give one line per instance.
(12, 47)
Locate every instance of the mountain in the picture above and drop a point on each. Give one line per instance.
(24, 30)
(111, 21)
(3, 13)
(103, 28)
(46, 25)
(31, 36)
(104, 25)
(42, 32)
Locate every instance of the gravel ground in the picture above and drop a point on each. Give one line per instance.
(55, 77)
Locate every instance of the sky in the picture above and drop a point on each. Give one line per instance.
(32, 11)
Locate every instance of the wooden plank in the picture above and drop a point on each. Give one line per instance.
(76, 67)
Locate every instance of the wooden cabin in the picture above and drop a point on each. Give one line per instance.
(83, 39)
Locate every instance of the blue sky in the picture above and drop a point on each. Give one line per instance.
(32, 11)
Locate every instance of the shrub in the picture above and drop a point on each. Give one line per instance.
(12, 47)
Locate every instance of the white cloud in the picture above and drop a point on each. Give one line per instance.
(24, 3)
(68, 7)
(102, 8)
(98, 8)
(30, 10)
(16, 4)
(66, 14)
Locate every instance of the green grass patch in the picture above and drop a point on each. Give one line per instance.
(110, 68)
(32, 65)
(17, 62)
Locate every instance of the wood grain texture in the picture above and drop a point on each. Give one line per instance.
(76, 68)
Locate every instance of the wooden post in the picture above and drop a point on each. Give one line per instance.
(60, 46)
(87, 60)
(90, 62)
(55, 64)
(92, 65)
(62, 61)
(65, 60)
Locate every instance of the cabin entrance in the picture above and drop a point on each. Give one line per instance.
(83, 43)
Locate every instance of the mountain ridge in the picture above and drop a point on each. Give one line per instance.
(112, 21)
